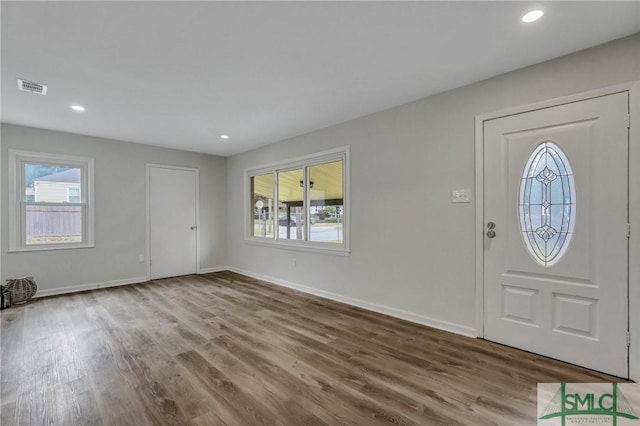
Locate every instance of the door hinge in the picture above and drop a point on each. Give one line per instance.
(628, 230)
(628, 339)
(628, 121)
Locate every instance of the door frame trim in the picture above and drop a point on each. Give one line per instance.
(148, 168)
(633, 88)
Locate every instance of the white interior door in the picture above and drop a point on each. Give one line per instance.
(172, 221)
(556, 256)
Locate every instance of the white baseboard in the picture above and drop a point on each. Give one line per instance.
(85, 287)
(114, 283)
(214, 269)
(393, 312)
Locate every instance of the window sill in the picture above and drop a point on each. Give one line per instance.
(28, 249)
(296, 246)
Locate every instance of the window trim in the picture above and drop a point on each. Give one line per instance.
(304, 162)
(17, 205)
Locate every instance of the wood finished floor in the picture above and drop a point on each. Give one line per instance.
(226, 349)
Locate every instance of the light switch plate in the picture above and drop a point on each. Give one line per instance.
(460, 196)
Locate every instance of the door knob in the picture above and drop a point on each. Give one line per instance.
(194, 228)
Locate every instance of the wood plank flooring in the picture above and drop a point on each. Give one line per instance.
(224, 349)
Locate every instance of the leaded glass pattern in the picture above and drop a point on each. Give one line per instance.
(547, 204)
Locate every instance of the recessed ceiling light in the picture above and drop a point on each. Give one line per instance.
(224, 136)
(532, 16)
(78, 108)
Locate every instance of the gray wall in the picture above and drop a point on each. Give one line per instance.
(120, 217)
(412, 249)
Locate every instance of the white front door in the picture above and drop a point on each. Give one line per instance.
(555, 239)
(172, 221)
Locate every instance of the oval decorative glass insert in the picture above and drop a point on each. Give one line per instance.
(547, 204)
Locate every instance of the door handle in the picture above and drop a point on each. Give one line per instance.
(193, 228)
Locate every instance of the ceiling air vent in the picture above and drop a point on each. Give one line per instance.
(32, 87)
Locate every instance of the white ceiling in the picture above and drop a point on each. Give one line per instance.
(180, 74)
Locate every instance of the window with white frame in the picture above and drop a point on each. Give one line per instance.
(301, 202)
(50, 201)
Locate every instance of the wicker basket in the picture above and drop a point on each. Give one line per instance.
(21, 289)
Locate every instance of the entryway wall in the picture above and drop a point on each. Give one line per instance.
(412, 250)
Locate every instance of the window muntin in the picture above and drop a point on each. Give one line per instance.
(49, 201)
(547, 209)
(311, 208)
